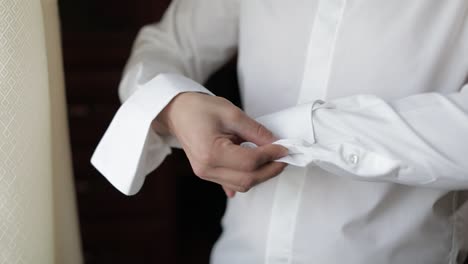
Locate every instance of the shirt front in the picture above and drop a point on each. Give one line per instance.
(377, 169)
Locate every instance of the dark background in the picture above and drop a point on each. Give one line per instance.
(175, 217)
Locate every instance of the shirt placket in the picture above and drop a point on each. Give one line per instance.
(314, 85)
(320, 50)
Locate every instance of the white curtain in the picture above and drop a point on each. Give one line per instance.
(38, 222)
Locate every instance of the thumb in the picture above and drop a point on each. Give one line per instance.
(250, 130)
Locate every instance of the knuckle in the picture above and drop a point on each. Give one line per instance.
(201, 171)
(223, 100)
(263, 131)
(279, 169)
(249, 165)
(242, 189)
(234, 115)
(246, 184)
(219, 144)
(206, 157)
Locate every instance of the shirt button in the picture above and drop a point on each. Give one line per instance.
(353, 159)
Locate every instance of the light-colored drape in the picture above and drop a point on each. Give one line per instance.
(38, 221)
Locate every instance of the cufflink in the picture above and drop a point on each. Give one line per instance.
(353, 159)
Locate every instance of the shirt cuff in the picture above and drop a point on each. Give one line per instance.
(130, 149)
(315, 143)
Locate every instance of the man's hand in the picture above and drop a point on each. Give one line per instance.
(210, 130)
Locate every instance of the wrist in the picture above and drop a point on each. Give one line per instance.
(161, 124)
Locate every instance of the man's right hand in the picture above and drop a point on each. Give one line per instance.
(210, 130)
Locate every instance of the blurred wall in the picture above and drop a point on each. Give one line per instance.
(37, 212)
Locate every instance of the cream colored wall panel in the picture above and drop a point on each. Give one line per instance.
(26, 217)
(67, 243)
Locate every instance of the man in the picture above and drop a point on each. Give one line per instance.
(364, 99)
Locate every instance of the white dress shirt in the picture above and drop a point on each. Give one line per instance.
(377, 169)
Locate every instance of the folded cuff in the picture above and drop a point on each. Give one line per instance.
(130, 149)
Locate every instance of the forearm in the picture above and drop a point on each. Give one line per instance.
(193, 39)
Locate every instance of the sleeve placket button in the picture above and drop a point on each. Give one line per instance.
(353, 159)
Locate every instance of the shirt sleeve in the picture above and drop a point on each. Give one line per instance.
(193, 39)
(418, 140)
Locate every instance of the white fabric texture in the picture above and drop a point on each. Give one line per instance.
(379, 171)
(38, 222)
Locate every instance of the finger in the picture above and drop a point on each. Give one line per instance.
(225, 185)
(243, 181)
(250, 130)
(229, 193)
(208, 174)
(230, 155)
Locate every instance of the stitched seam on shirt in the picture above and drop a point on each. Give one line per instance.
(288, 256)
(332, 50)
(453, 253)
(308, 54)
(270, 224)
(268, 236)
(298, 203)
